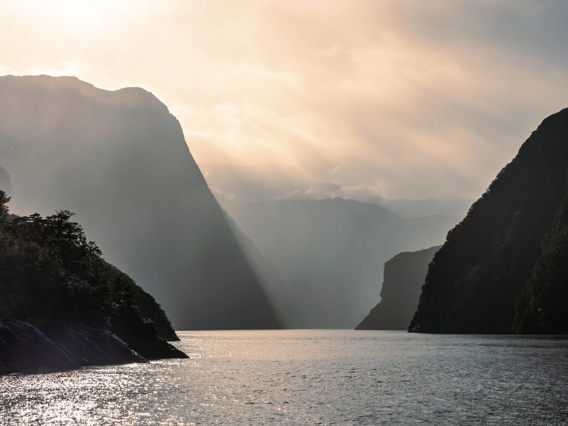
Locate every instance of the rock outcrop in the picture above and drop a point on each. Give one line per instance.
(404, 276)
(504, 269)
(26, 349)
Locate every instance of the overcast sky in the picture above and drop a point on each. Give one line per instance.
(288, 98)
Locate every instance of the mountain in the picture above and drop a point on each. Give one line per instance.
(503, 268)
(118, 159)
(448, 206)
(322, 260)
(403, 279)
(63, 306)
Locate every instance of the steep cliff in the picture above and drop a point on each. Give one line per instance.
(542, 306)
(118, 159)
(503, 268)
(404, 276)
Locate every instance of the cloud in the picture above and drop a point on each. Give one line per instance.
(400, 99)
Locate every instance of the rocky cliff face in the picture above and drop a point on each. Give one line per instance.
(503, 268)
(120, 162)
(404, 276)
(542, 305)
(26, 349)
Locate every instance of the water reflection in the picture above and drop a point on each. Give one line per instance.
(309, 377)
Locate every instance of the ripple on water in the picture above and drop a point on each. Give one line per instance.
(313, 376)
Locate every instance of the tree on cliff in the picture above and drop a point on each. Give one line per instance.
(50, 273)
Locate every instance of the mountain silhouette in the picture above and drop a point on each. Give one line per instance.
(118, 159)
(503, 269)
(322, 260)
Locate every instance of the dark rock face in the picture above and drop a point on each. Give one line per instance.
(404, 276)
(542, 306)
(26, 349)
(120, 162)
(503, 268)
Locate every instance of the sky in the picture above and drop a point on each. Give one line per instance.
(296, 98)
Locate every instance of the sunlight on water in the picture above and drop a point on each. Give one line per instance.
(309, 377)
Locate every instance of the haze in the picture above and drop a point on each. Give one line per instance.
(320, 98)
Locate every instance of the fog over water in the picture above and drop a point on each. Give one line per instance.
(299, 377)
(321, 261)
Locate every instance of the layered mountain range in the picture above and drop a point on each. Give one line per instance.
(504, 268)
(325, 257)
(118, 159)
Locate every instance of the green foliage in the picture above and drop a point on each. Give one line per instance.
(50, 272)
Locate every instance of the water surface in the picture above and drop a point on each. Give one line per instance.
(311, 376)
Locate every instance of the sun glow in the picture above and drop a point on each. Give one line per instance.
(264, 87)
(83, 15)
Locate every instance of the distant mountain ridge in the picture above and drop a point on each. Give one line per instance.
(325, 257)
(403, 279)
(504, 268)
(118, 159)
(447, 206)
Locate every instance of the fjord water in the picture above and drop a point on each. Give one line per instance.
(311, 376)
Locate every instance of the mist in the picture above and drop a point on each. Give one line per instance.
(119, 161)
(296, 212)
(397, 99)
(321, 261)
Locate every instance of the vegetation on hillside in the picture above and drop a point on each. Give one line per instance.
(503, 268)
(51, 274)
